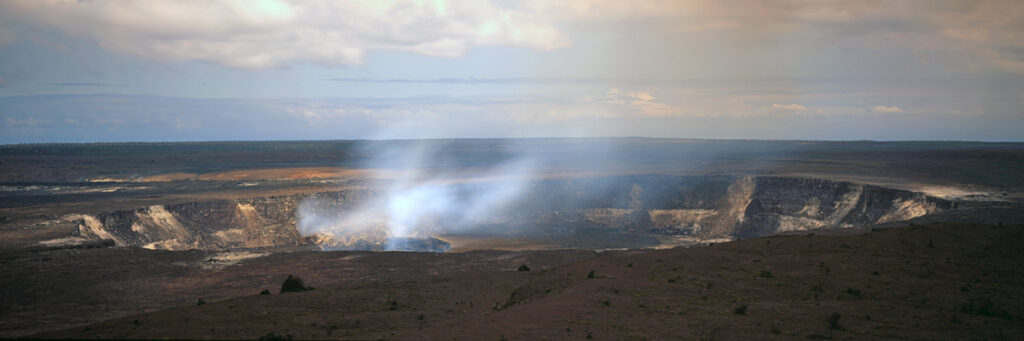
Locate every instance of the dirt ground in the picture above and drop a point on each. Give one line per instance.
(60, 288)
(937, 281)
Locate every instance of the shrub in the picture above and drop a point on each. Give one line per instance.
(265, 292)
(833, 322)
(294, 284)
(201, 302)
(524, 268)
(984, 307)
(590, 275)
(740, 310)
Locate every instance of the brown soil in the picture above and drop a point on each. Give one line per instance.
(940, 281)
(59, 288)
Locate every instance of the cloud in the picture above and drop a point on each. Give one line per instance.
(268, 33)
(882, 108)
(964, 36)
(793, 107)
(632, 103)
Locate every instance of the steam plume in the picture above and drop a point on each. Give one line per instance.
(431, 191)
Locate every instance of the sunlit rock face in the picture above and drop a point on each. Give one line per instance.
(705, 208)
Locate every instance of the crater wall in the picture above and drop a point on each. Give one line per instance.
(706, 207)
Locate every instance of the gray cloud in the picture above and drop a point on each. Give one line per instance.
(966, 36)
(271, 33)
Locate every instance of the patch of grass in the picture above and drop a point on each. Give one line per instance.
(201, 302)
(606, 302)
(590, 275)
(766, 273)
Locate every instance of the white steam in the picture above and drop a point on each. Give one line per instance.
(435, 191)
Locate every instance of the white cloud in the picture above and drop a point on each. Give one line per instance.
(618, 103)
(793, 107)
(268, 33)
(882, 108)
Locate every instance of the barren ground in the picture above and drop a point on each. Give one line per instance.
(942, 281)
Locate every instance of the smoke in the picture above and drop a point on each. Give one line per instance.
(426, 188)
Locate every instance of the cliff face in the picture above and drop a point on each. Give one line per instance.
(702, 207)
(795, 204)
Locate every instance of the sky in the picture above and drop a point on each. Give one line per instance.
(108, 71)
